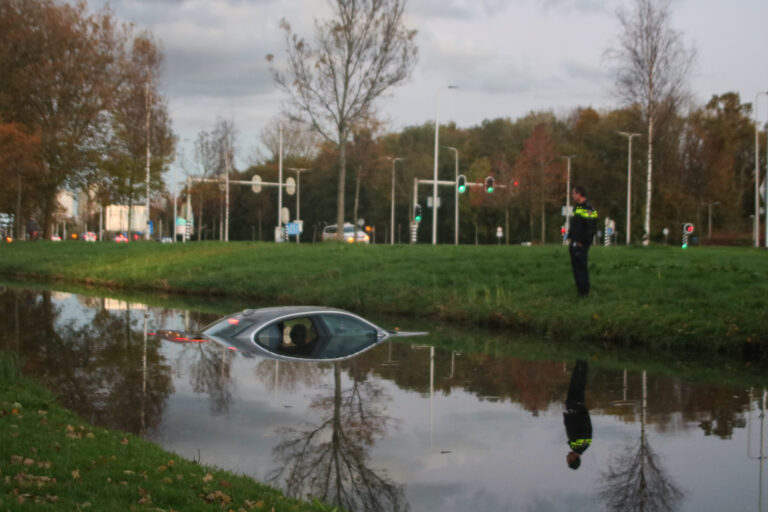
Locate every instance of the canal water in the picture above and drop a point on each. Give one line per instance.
(405, 425)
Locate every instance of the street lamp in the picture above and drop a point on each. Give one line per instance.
(298, 172)
(392, 209)
(456, 199)
(434, 173)
(147, 100)
(757, 175)
(629, 136)
(568, 194)
(710, 205)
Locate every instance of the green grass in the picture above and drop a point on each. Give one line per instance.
(51, 460)
(702, 300)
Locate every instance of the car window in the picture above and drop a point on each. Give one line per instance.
(348, 335)
(296, 337)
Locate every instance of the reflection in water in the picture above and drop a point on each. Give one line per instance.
(636, 480)
(329, 460)
(578, 425)
(98, 357)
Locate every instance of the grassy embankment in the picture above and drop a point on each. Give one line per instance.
(711, 300)
(51, 460)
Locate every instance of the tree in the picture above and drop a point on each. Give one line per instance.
(20, 168)
(539, 168)
(299, 143)
(141, 126)
(60, 66)
(359, 53)
(652, 66)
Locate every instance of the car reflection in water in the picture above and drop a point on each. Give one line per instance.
(305, 333)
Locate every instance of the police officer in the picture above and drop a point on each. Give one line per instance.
(581, 231)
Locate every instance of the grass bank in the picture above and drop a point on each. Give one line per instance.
(51, 460)
(702, 300)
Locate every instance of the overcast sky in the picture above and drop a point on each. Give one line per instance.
(508, 57)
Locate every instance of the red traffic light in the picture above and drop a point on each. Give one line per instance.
(688, 228)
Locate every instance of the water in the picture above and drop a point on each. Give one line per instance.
(401, 426)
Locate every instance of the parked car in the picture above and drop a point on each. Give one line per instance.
(330, 231)
(89, 236)
(121, 238)
(55, 238)
(292, 332)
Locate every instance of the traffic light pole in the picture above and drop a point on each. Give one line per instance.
(417, 182)
(226, 182)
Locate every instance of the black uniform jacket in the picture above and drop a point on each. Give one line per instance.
(583, 223)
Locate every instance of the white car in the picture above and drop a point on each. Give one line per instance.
(330, 231)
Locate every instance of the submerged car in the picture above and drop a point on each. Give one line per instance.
(298, 333)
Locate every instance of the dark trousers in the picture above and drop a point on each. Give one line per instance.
(580, 267)
(578, 383)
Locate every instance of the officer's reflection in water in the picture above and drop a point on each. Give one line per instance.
(578, 426)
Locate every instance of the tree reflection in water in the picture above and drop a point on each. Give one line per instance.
(329, 460)
(210, 372)
(636, 481)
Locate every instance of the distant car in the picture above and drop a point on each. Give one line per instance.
(166, 240)
(307, 333)
(55, 238)
(330, 231)
(121, 239)
(89, 236)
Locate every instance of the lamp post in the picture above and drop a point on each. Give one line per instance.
(629, 137)
(568, 194)
(146, 97)
(757, 174)
(298, 172)
(710, 205)
(392, 208)
(456, 199)
(434, 173)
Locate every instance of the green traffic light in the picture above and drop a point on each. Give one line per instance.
(489, 190)
(685, 246)
(418, 218)
(462, 189)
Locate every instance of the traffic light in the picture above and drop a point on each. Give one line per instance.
(489, 183)
(687, 231)
(515, 183)
(417, 213)
(461, 183)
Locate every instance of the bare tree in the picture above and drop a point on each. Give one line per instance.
(652, 64)
(300, 142)
(359, 53)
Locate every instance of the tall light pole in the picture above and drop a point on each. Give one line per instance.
(629, 137)
(434, 173)
(280, 181)
(710, 205)
(298, 172)
(757, 174)
(456, 199)
(568, 194)
(147, 100)
(392, 208)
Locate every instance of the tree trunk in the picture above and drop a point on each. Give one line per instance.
(342, 178)
(357, 198)
(649, 189)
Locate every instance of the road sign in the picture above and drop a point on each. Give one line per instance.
(429, 202)
(566, 211)
(290, 186)
(286, 215)
(256, 180)
(293, 229)
(499, 232)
